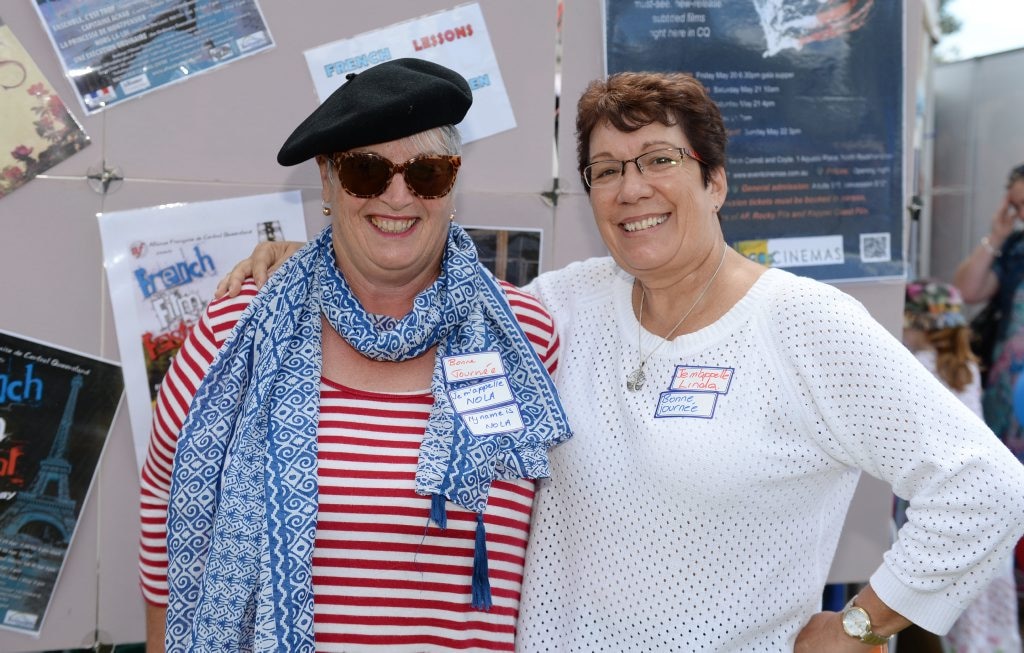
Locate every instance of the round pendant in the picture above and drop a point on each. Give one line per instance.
(635, 380)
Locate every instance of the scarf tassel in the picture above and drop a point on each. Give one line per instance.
(438, 513)
(481, 581)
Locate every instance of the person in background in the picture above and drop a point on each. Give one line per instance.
(723, 415)
(994, 270)
(935, 330)
(345, 460)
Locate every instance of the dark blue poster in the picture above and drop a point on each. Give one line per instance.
(56, 410)
(811, 94)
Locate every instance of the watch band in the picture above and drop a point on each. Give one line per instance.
(874, 640)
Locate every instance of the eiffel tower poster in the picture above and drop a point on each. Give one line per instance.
(56, 410)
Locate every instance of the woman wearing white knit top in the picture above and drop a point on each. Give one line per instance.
(723, 413)
(936, 331)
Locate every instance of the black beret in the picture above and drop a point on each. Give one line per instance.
(392, 100)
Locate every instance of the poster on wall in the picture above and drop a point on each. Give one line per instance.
(163, 264)
(56, 410)
(512, 254)
(812, 98)
(456, 38)
(36, 130)
(113, 50)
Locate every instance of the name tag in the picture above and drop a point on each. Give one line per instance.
(484, 394)
(702, 379)
(687, 404)
(465, 367)
(503, 419)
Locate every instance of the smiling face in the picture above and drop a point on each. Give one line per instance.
(395, 239)
(655, 226)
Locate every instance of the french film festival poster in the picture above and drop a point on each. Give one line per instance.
(163, 264)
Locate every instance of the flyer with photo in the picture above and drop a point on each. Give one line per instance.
(115, 50)
(36, 130)
(56, 410)
(163, 264)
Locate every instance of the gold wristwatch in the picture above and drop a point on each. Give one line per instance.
(857, 623)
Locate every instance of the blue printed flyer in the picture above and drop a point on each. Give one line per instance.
(114, 50)
(56, 410)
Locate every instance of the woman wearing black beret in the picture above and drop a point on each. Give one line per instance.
(344, 460)
(724, 412)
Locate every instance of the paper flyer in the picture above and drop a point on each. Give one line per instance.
(163, 264)
(456, 38)
(512, 254)
(56, 410)
(36, 130)
(115, 50)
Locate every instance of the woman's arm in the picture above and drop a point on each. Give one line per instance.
(177, 389)
(156, 628)
(974, 277)
(824, 632)
(870, 405)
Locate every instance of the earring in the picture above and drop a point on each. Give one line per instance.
(451, 218)
(716, 208)
(326, 210)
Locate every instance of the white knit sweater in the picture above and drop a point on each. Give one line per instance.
(715, 531)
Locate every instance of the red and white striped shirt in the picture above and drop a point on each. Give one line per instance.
(383, 578)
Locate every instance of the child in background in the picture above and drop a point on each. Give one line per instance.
(935, 330)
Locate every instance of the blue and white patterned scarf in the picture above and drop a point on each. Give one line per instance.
(243, 504)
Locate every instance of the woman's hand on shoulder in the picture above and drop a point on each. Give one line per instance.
(265, 258)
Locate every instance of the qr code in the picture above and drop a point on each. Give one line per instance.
(874, 248)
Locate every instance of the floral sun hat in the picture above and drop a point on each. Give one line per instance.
(932, 305)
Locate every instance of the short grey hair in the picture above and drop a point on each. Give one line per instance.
(445, 139)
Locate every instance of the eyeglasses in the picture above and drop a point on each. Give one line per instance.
(651, 164)
(428, 176)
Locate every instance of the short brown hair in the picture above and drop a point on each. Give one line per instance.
(629, 101)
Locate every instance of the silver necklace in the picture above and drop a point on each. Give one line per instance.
(635, 380)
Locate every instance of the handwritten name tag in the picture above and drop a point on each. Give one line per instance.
(503, 419)
(687, 404)
(466, 367)
(485, 394)
(703, 379)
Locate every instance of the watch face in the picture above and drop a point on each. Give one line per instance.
(856, 622)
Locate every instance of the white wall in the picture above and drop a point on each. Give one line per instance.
(978, 138)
